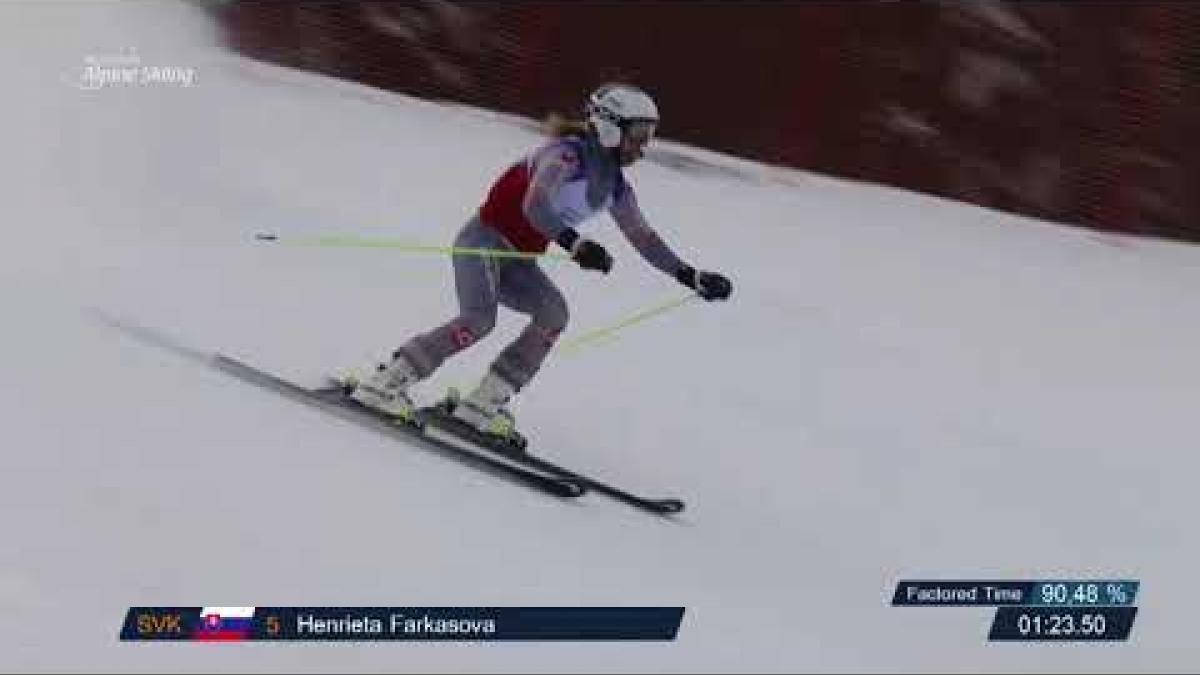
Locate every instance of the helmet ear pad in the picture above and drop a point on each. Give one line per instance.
(607, 131)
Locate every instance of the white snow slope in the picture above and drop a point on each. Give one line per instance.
(901, 387)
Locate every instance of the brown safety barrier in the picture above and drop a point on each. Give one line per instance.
(1072, 111)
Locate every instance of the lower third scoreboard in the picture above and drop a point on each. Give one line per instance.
(352, 624)
(1038, 610)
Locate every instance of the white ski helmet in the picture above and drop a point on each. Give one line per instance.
(613, 106)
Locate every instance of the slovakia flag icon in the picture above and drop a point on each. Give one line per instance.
(225, 623)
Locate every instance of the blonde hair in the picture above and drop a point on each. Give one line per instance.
(558, 126)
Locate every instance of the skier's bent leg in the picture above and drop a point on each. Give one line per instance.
(485, 408)
(524, 288)
(522, 359)
(475, 282)
(427, 351)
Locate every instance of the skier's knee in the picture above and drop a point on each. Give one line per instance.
(481, 323)
(472, 327)
(555, 314)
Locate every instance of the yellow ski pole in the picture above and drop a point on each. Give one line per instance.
(569, 346)
(353, 241)
(577, 342)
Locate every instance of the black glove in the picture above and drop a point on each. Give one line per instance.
(589, 254)
(592, 256)
(708, 285)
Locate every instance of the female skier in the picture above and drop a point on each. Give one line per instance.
(538, 200)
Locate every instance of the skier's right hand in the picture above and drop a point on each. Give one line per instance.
(591, 256)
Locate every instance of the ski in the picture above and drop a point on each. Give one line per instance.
(439, 417)
(333, 400)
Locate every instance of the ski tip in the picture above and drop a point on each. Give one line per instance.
(668, 506)
(266, 236)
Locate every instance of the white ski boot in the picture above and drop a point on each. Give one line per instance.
(386, 390)
(484, 410)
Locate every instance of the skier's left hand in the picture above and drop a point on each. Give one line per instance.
(708, 285)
